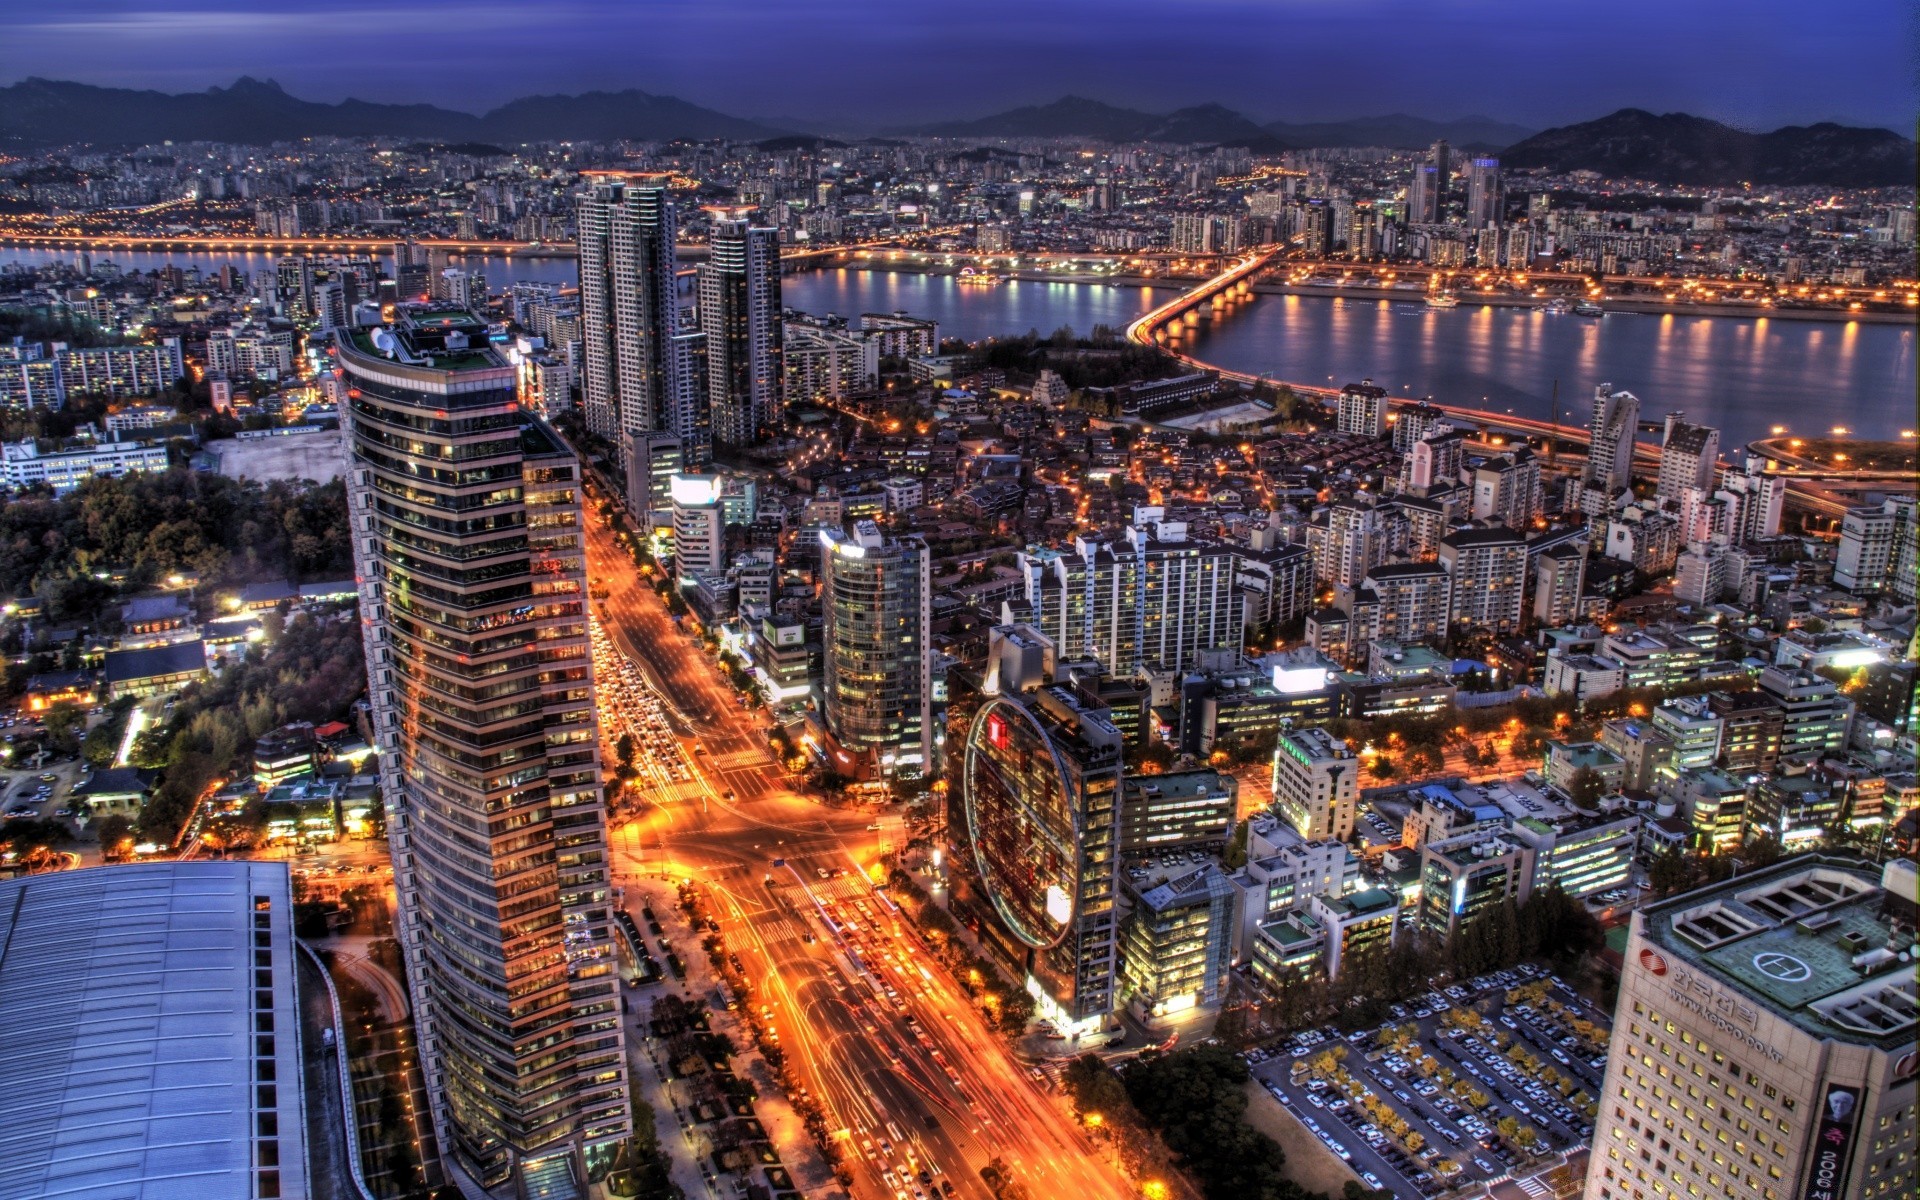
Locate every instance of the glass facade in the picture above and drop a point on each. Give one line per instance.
(1022, 823)
(1040, 790)
(877, 691)
(471, 567)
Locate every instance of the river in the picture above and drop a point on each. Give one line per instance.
(1743, 375)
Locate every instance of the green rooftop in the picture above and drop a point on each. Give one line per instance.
(1791, 967)
(1810, 938)
(1370, 900)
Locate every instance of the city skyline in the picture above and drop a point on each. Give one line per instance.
(1782, 64)
(596, 651)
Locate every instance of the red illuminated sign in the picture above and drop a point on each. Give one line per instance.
(1653, 962)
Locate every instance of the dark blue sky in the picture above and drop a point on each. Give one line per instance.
(1754, 63)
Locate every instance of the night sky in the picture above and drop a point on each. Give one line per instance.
(881, 63)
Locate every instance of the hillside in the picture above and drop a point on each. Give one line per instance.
(1079, 117)
(1400, 131)
(1678, 148)
(51, 112)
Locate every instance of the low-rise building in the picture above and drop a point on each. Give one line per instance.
(1183, 809)
(1464, 876)
(1566, 759)
(1176, 943)
(1356, 924)
(1581, 855)
(155, 670)
(24, 464)
(285, 753)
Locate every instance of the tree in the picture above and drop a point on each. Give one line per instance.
(63, 722)
(1235, 856)
(115, 834)
(1585, 787)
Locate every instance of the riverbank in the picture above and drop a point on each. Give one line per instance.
(1752, 312)
(1413, 297)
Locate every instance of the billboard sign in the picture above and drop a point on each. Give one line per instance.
(1827, 1177)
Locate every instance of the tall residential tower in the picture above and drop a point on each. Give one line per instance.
(740, 315)
(467, 545)
(641, 372)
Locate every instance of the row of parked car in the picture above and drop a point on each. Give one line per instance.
(27, 802)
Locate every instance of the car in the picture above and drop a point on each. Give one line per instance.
(49, 777)
(1371, 1180)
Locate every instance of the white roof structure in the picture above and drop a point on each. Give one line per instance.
(151, 1034)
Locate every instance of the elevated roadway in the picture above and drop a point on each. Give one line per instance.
(1156, 329)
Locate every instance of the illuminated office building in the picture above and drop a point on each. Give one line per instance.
(1041, 798)
(877, 688)
(1763, 1043)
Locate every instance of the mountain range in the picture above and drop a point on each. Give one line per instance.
(1077, 116)
(1670, 148)
(1682, 149)
(51, 112)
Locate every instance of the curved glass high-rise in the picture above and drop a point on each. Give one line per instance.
(1040, 791)
(469, 556)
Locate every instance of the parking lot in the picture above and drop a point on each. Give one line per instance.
(1465, 1085)
(34, 794)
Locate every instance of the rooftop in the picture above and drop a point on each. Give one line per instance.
(176, 659)
(127, 1006)
(1813, 938)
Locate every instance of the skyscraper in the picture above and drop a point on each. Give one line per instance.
(1427, 195)
(1616, 418)
(1423, 195)
(878, 689)
(466, 533)
(1763, 1039)
(1149, 597)
(1485, 197)
(638, 369)
(1040, 789)
(740, 315)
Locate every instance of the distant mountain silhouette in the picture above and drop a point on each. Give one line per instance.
(48, 112)
(1069, 116)
(609, 116)
(1400, 131)
(1674, 148)
(1079, 117)
(1683, 149)
(1210, 123)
